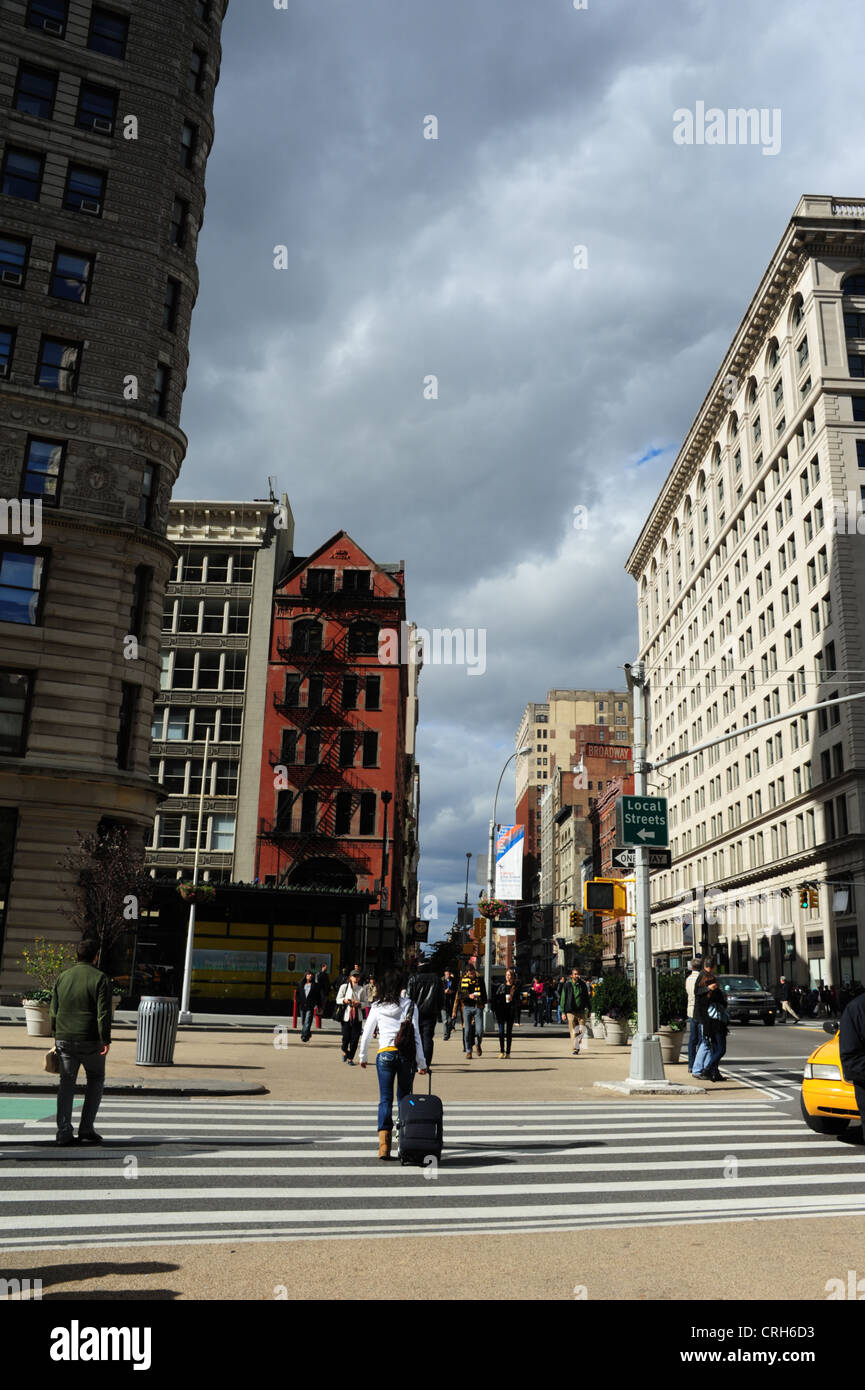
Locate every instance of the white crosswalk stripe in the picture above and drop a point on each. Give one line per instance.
(197, 1171)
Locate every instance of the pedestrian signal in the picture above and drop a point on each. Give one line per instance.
(608, 896)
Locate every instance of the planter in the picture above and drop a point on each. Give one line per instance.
(596, 1027)
(616, 1031)
(671, 1042)
(37, 1019)
(197, 895)
(115, 1000)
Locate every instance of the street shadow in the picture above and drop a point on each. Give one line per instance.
(852, 1137)
(112, 1296)
(67, 1273)
(535, 1147)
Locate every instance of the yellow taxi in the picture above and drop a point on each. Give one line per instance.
(828, 1101)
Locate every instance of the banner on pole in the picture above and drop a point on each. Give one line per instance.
(509, 862)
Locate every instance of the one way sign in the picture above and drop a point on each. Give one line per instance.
(627, 858)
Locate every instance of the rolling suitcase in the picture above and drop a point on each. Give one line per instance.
(420, 1127)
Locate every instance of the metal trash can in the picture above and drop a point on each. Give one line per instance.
(157, 1030)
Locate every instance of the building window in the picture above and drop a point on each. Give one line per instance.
(188, 144)
(306, 637)
(373, 692)
(148, 493)
(140, 597)
(97, 108)
(13, 262)
(363, 639)
(195, 75)
(8, 827)
(22, 574)
(342, 824)
(109, 32)
(308, 813)
(350, 685)
(313, 747)
(35, 91)
(49, 15)
(126, 729)
(202, 11)
(171, 305)
(346, 748)
(161, 387)
(318, 581)
(22, 174)
(367, 813)
(370, 750)
(15, 690)
(85, 190)
(71, 276)
(43, 467)
(7, 349)
(58, 364)
(179, 223)
(356, 582)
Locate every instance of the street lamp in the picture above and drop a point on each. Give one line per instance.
(386, 799)
(489, 1017)
(466, 898)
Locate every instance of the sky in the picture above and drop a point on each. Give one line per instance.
(508, 285)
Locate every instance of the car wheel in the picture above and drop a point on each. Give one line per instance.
(769, 1022)
(822, 1124)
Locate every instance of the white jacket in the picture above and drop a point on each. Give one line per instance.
(387, 1018)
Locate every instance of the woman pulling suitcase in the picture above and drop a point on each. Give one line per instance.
(391, 1009)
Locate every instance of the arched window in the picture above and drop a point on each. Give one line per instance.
(306, 637)
(363, 639)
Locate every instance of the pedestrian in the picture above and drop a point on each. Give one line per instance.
(80, 1019)
(426, 990)
(714, 1021)
(574, 1003)
(449, 990)
(350, 998)
(322, 979)
(537, 995)
(851, 1046)
(694, 1032)
(473, 997)
(307, 998)
(505, 1005)
(784, 991)
(391, 1009)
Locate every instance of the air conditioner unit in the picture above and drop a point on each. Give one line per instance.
(12, 277)
(53, 26)
(88, 205)
(102, 123)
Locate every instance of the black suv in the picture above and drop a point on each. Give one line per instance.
(746, 999)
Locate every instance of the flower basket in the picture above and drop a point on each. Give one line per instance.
(197, 892)
(491, 908)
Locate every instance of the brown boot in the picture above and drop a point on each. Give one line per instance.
(384, 1137)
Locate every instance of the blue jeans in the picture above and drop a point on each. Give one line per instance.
(709, 1054)
(391, 1067)
(73, 1055)
(473, 1016)
(694, 1040)
(306, 1018)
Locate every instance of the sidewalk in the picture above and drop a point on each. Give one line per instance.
(238, 1061)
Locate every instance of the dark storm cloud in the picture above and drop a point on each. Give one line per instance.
(558, 387)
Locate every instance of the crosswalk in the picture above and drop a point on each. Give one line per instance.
(777, 1083)
(179, 1171)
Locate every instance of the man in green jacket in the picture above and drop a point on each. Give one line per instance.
(81, 1025)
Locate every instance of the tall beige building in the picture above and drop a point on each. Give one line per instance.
(750, 605)
(216, 621)
(106, 124)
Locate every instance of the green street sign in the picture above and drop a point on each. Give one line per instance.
(642, 820)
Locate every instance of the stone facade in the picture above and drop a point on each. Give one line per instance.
(105, 127)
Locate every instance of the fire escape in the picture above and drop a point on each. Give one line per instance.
(302, 832)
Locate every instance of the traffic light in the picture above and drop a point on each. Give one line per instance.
(805, 898)
(813, 899)
(608, 896)
(573, 919)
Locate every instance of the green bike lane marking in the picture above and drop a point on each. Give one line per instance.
(30, 1107)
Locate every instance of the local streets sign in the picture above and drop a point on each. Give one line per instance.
(627, 858)
(642, 820)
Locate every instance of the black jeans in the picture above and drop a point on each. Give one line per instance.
(351, 1031)
(427, 1036)
(506, 1031)
(73, 1055)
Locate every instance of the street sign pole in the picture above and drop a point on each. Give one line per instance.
(646, 1060)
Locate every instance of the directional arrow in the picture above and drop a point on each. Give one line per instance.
(645, 834)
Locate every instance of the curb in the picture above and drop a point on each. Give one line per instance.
(131, 1087)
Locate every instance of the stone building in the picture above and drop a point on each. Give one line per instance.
(750, 572)
(106, 122)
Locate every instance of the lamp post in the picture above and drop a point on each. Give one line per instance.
(489, 1017)
(386, 799)
(185, 1015)
(466, 898)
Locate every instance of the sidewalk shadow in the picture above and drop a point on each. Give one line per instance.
(54, 1275)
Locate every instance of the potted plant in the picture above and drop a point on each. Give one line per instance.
(117, 993)
(672, 1015)
(196, 892)
(43, 963)
(490, 907)
(615, 1000)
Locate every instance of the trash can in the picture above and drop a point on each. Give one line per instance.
(157, 1030)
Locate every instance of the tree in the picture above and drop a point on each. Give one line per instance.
(444, 955)
(591, 949)
(112, 885)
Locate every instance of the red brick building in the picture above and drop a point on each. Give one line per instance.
(603, 817)
(336, 773)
